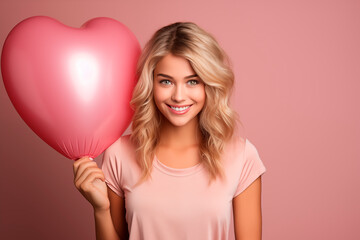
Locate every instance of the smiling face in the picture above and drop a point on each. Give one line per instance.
(179, 93)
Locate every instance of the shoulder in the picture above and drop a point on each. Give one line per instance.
(235, 146)
(241, 144)
(239, 150)
(250, 149)
(121, 147)
(121, 156)
(121, 143)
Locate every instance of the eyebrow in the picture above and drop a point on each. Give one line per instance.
(167, 76)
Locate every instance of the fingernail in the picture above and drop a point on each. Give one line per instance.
(91, 158)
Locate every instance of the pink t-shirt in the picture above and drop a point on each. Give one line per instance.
(179, 203)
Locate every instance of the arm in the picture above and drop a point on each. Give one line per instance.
(108, 208)
(111, 223)
(247, 213)
(104, 225)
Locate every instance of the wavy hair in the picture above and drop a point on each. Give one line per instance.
(217, 120)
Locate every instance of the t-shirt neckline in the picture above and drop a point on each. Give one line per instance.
(177, 171)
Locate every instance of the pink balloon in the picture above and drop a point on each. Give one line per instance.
(72, 86)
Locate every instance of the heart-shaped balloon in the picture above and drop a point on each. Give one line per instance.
(72, 86)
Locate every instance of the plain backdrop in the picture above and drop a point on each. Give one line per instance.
(297, 67)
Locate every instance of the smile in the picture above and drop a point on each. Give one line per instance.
(179, 110)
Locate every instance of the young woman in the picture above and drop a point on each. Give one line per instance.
(184, 172)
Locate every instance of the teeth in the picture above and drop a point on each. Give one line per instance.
(180, 109)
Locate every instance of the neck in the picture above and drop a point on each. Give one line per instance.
(181, 137)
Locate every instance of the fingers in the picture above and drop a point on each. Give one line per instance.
(89, 179)
(79, 163)
(83, 167)
(89, 172)
(86, 184)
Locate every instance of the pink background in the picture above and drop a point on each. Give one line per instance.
(297, 66)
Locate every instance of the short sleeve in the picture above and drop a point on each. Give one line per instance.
(111, 167)
(252, 168)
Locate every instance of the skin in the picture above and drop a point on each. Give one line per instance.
(172, 86)
(176, 83)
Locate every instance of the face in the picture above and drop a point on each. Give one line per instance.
(179, 93)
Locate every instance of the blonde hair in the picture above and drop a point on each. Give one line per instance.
(217, 120)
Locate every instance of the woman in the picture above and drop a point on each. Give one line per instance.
(184, 172)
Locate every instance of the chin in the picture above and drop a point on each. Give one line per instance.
(181, 122)
(177, 124)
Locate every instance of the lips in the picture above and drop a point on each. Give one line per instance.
(178, 106)
(179, 110)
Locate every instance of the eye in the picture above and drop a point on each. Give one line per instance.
(193, 82)
(165, 82)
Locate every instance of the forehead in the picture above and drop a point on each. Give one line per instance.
(174, 66)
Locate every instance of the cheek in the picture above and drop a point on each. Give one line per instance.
(200, 95)
(159, 94)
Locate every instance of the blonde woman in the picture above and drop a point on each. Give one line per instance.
(185, 172)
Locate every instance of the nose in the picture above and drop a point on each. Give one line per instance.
(178, 94)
